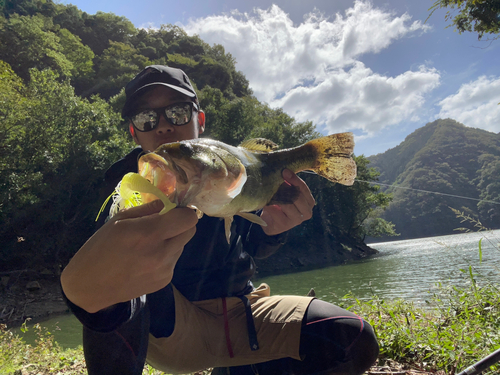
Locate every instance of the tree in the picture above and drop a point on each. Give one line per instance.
(28, 7)
(479, 16)
(71, 18)
(241, 86)
(233, 121)
(187, 64)
(117, 65)
(13, 113)
(79, 55)
(342, 214)
(186, 45)
(169, 33)
(102, 27)
(230, 121)
(489, 186)
(368, 202)
(276, 125)
(27, 42)
(211, 73)
(351, 211)
(55, 144)
(55, 147)
(447, 158)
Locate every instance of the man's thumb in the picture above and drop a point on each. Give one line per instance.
(146, 209)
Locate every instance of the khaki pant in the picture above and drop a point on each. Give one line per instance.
(199, 338)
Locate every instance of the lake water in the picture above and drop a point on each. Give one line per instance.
(402, 270)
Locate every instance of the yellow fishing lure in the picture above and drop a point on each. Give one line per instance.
(128, 194)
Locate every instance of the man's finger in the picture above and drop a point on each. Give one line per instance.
(165, 226)
(295, 214)
(143, 210)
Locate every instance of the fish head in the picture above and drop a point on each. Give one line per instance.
(194, 174)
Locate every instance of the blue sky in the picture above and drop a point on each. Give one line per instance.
(375, 68)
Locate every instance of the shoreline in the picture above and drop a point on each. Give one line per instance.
(33, 295)
(36, 295)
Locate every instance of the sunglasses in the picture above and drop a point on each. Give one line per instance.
(177, 114)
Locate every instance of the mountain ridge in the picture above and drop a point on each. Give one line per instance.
(444, 157)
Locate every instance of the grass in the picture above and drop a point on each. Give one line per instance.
(46, 357)
(459, 327)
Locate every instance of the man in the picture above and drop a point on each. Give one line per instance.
(171, 288)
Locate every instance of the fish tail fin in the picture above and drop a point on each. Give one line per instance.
(334, 158)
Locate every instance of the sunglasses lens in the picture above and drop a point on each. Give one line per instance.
(179, 113)
(176, 114)
(145, 121)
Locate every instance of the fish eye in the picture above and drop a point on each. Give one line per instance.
(185, 148)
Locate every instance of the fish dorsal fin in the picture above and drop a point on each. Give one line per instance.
(253, 218)
(259, 145)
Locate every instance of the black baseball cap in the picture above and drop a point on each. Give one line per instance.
(152, 75)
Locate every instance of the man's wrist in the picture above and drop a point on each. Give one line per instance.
(90, 305)
(105, 320)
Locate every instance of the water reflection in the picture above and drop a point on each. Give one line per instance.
(66, 329)
(403, 269)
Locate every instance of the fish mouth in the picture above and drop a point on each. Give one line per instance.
(176, 181)
(157, 171)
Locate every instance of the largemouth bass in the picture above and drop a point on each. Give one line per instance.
(222, 180)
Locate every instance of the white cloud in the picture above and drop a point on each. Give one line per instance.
(149, 26)
(311, 69)
(360, 99)
(475, 104)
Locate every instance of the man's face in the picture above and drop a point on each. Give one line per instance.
(162, 96)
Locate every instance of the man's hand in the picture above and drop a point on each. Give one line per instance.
(280, 218)
(134, 253)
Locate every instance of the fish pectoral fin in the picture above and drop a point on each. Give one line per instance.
(199, 213)
(228, 220)
(259, 145)
(286, 194)
(253, 218)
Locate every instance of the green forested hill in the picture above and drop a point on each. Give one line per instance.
(446, 157)
(62, 73)
(100, 53)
